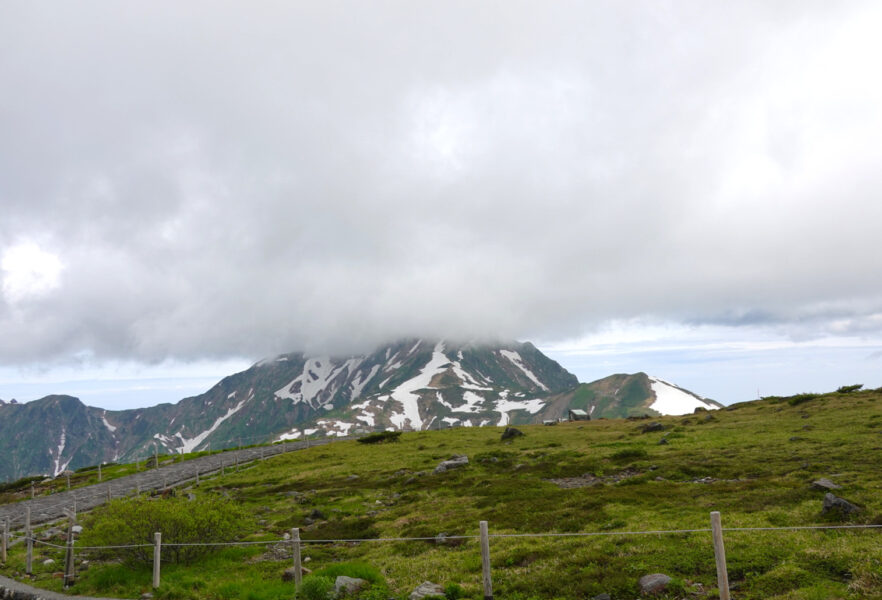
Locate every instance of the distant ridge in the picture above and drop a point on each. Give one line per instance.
(411, 384)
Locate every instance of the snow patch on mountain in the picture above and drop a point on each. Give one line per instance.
(404, 393)
(106, 424)
(671, 400)
(189, 445)
(517, 361)
(505, 406)
(58, 467)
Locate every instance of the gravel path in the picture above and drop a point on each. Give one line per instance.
(50, 508)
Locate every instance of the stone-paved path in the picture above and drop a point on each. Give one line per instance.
(13, 590)
(50, 508)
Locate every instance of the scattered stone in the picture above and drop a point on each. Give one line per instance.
(590, 479)
(76, 529)
(510, 433)
(654, 426)
(352, 477)
(426, 588)
(287, 536)
(836, 504)
(84, 566)
(654, 583)
(146, 596)
(317, 514)
(455, 461)
(825, 484)
(191, 497)
(796, 438)
(699, 409)
(709, 417)
(306, 559)
(663, 442)
(48, 561)
(348, 585)
(441, 538)
(289, 573)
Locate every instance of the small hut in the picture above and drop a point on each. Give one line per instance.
(577, 414)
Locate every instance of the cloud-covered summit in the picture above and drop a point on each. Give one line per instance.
(222, 180)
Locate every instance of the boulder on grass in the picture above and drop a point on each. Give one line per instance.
(654, 583)
(454, 462)
(650, 427)
(836, 505)
(510, 433)
(348, 585)
(825, 485)
(426, 588)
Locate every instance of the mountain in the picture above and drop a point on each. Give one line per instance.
(413, 384)
(409, 385)
(625, 395)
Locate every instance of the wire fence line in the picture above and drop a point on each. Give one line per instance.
(576, 534)
(295, 543)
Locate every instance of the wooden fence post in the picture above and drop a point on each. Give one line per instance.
(295, 543)
(157, 552)
(32, 490)
(99, 472)
(237, 461)
(29, 558)
(4, 543)
(485, 561)
(109, 494)
(720, 555)
(68, 554)
(67, 476)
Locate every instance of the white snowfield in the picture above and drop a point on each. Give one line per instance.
(671, 400)
(189, 445)
(517, 361)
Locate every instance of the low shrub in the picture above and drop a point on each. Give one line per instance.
(315, 587)
(847, 389)
(380, 437)
(133, 522)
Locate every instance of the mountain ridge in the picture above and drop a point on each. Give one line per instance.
(411, 384)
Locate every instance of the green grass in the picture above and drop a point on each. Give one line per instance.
(760, 479)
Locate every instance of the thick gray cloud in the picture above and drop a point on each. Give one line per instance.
(236, 179)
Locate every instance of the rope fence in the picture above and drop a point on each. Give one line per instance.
(295, 542)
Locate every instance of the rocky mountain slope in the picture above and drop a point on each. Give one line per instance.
(408, 385)
(625, 395)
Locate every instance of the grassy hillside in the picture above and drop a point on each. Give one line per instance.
(754, 463)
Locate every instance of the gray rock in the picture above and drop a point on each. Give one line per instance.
(454, 462)
(48, 562)
(348, 585)
(825, 484)
(663, 442)
(426, 588)
(146, 596)
(510, 433)
(654, 583)
(317, 514)
(650, 427)
(78, 529)
(838, 505)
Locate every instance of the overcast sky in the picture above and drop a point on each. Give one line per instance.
(690, 189)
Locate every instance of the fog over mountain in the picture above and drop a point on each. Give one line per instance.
(202, 182)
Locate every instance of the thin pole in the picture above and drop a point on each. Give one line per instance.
(68, 555)
(109, 494)
(29, 559)
(32, 490)
(67, 476)
(4, 543)
(485, 561)
(720, 555)
(295, 542)
(156, 455)
(157, 553)
(99, 472)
